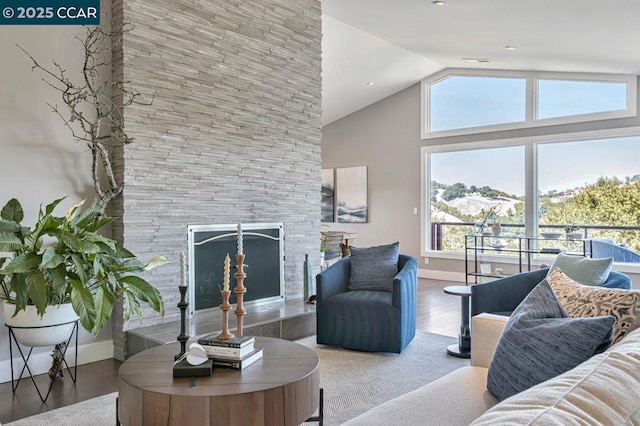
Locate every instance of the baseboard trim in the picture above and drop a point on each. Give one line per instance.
(41, 362)
(441, 275)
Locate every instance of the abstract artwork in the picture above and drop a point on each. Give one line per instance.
(327, 203)
(351, 183)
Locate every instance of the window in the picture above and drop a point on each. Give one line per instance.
(591, 189)
(470, 190)
(574, 188)
(561, 98)
(458, 102)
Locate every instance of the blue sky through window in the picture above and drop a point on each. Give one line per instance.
(561, 98)
(499, 168)
(574, 164)
(472, 101)
(462, 102)
(560, 165)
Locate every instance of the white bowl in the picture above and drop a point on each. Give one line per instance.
(551, 235)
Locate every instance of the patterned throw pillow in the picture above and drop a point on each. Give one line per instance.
(373, 268)
(540, 342)
(587, 301)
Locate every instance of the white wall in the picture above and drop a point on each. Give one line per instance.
(385, 137)
(39, 161)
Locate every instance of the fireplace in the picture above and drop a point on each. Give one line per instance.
(263, 246)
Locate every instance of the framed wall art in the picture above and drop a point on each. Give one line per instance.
(327, 203)
(351, 194)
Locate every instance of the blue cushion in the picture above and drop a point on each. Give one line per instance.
(584, 270)
(373, 268)
(540, 341)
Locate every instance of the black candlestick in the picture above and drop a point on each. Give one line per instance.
(182, 304)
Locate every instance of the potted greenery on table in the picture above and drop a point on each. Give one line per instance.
(64, 264)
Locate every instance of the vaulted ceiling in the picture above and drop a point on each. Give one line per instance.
(395, 44)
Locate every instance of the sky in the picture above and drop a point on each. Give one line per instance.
(499, 168)
(463, 103)
(570, 165)
(561, 165)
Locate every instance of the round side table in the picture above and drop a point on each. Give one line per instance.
(463, 348)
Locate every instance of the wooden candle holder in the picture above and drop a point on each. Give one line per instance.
(240, 290)
(225, 307)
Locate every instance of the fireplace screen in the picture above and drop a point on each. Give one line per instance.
(264, 262)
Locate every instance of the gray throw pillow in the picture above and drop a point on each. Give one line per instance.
(373, 268)
(584, 270)
(540, 341)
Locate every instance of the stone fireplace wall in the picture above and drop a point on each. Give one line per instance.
(232, 133)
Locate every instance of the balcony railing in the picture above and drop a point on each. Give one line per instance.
(627, 237)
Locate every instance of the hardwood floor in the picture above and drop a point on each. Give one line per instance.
(95, 379)
(437, 313)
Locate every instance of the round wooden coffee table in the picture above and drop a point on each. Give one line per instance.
(282, 388)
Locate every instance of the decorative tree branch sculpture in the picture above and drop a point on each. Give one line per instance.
(89, 112)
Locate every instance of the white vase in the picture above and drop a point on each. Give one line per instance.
(496, 228)
(48, 330)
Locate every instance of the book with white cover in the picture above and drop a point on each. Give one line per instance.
(234, 342)
(228, 352)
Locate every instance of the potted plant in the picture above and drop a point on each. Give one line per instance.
(62, 267)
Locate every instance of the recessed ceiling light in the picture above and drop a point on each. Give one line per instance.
(370, 83)
(510, 47)
(440, 3)
(477, 60)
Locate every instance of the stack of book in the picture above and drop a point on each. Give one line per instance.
(238, 352)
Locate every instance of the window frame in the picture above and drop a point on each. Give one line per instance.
(531, 99)
(530, 144)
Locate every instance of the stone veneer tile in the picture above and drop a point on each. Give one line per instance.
(298, 327)
(271, 329)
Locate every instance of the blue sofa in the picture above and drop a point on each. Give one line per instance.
(378, 321)
(502, 296)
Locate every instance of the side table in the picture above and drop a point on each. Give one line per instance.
(463, 348)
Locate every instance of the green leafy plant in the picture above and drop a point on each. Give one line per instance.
(65, 259)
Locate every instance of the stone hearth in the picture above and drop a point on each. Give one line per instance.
(286, 320)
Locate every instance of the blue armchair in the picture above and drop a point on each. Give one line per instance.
(601, 247)
(502, 296)
(367, 320)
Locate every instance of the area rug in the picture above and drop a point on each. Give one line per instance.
(353, 382)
